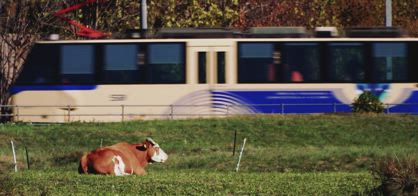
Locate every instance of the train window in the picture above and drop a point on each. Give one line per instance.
(346, 62)
(120, 63)
(202, 67)
(413, 61)
(39, 68)
(300, 62)
(165, 63)
(220, 61)
(390, 62)
(77, 64)
(255, 63)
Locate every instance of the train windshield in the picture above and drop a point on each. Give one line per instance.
(108, 63)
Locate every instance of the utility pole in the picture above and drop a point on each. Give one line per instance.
(144, 20)
(388, 13)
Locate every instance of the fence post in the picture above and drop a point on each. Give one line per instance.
(123, 112)
(17, 113)
(14, 155)
(27, 157)
(171, 112)
(335, 107)
(69, 113)
(235, 142)
(240, 155)
(227, 110)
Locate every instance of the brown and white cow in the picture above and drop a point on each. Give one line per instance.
(122, 158)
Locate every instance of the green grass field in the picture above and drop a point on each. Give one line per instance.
(292, 154)
(189, 182)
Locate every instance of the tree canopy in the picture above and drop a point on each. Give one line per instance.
(113, 16)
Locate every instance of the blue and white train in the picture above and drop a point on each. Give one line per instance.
(212, 74)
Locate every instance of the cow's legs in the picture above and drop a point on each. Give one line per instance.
(139, 171)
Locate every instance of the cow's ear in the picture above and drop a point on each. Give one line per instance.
(142, 147)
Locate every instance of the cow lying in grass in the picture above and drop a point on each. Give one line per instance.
(122, 158)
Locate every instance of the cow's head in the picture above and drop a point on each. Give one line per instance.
(154, 151)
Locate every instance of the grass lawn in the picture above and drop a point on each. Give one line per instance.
(189, 182)
(290, 154)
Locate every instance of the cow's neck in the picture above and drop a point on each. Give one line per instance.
(143, 158)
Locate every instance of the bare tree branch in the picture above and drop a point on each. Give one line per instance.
(19, 29)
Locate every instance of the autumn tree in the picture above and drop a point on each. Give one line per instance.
(20, 26)
(192, 13)
(22, 22)
(108, 16)
(307, 13)
(338, 13)
(406, 15)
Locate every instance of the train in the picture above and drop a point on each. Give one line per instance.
(185, 73)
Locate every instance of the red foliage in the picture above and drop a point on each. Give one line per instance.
(313, 13)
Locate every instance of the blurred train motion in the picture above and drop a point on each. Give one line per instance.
(205, 72)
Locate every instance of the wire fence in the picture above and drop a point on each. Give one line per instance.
(69, 113)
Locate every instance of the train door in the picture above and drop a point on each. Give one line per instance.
(210, 65)
(210, 71)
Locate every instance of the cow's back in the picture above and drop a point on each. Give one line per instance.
(117, 159)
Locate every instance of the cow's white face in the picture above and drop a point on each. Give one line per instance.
(159, 155)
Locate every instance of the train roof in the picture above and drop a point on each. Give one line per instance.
(256, 34)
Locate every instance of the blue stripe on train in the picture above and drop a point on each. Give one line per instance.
(284, 101)
(410, 105)
(299, 101)
(280, 101)
(21, 88)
